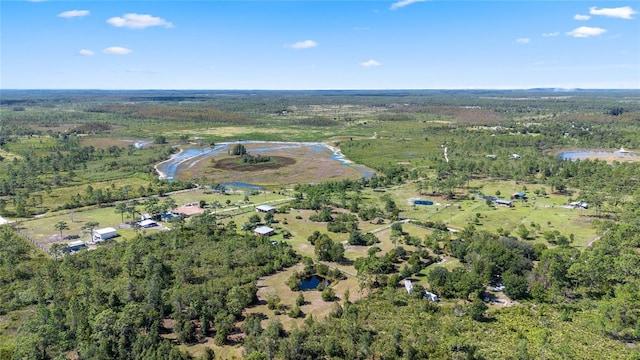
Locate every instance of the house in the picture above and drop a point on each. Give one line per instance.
(516, 156)
(148, 223)
(431, 296)
(503, 202)
(75, 246)
(265, 209)
(492, 156)
(263, 231)
(408, 285)
(519, 195)
(422, 202)
(104, 234)
(167, 216)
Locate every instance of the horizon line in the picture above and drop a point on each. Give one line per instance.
(325, 89)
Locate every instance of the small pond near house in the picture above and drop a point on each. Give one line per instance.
(312, 282)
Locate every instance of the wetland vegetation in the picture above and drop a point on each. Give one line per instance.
(555, 273)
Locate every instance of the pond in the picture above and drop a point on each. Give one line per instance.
(189, 157)
(619, 155)
(311, 283)
(239, 185)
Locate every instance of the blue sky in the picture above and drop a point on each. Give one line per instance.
(243, 44)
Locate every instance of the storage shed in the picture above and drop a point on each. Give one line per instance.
(148, 223)
(75, 245)
(502, 202)
(408, 285)
(265, 209)
(431, 296)
(263, 231)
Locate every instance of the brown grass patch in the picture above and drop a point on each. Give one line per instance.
(299, 165)
(105, 142)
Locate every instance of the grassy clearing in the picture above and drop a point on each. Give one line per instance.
(277, 285)
(60, 196)
(547, 212)
(42, 229)
(36, 145)
(10, 324)
(8, 156)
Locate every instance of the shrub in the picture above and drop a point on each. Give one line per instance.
(295, 312)
(328, 294)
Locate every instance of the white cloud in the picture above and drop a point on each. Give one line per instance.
(73, 13)
(138, 21)
(306, 44)
(552, 34)
(586, 31)
(116, 50)
(403, 3)
(581, 17)
(625, 12)
(85, 52)
(370, 63)
(523, 40)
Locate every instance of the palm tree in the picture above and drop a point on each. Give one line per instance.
(60, 226)
(90, 226)
(121, 209)
(131, 209)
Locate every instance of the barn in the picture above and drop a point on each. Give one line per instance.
(104, 234)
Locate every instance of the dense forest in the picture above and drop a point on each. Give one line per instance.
(161, 295)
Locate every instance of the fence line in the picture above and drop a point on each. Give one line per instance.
(33, 241)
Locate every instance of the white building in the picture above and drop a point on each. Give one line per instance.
(431, 296)
(263, 231)
(265, 209)
(104, 234)
(75, 245)
(148, 223)
(408, 285)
